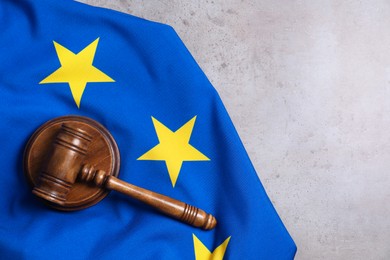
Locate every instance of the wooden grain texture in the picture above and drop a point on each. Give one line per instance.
(72, 162)
(169, 206)
(102, 152)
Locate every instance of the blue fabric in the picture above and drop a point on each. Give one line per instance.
(155, 76)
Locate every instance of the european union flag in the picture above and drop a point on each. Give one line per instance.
(137, 79)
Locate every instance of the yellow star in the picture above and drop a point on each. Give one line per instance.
(174, 148)
(202, 252)
(76, 70)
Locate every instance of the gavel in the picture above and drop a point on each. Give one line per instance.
(64, 167)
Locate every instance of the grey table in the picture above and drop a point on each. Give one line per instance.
(307, 84)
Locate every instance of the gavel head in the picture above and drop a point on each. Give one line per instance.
(59, 162)
(63, 164)
(57, 152)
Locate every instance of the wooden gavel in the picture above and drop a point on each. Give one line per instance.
(64, 167)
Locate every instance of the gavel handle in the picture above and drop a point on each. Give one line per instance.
(169, 206)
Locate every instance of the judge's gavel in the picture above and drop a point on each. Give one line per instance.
(64, 166)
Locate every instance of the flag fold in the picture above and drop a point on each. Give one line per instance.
(175, 137)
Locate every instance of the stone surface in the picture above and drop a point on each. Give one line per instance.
(307, 84)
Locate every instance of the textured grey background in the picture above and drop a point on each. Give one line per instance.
(307, 84)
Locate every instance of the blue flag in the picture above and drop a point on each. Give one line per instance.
(137, 79)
